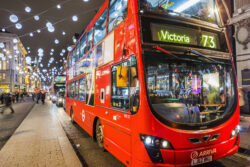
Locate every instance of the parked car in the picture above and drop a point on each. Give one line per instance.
(60, 97)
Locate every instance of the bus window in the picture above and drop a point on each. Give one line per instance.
(100, 28)
(76, 89)
(69, 63)
(82, 89)
(134, 85)
(83, 45)
(68, 90)
(90, 89)
(117, 13)
(73, 57)
(90, 39)
(77, 51)
(120, 86)
(72, 90)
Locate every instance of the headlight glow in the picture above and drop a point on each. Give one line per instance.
(235, 131)
(155, 142)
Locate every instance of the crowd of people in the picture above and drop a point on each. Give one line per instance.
(7, 99)
(39, 96)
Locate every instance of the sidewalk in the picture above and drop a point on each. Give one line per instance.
(39, 141)
(245, 132)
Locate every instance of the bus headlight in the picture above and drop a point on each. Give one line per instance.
(155, 142)
(154, 145)
(235, 131)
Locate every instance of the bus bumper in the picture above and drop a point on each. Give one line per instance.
(196, 156)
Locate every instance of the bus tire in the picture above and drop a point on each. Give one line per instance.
(72, 116)
(99, 134)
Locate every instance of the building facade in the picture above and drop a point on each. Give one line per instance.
(12, 64)
(241, 21)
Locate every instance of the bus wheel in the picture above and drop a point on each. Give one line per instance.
(72, 116)
(99, 134)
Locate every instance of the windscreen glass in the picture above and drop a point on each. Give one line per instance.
(204, 10)
(191, 89)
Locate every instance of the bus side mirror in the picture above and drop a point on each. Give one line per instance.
(122, 76)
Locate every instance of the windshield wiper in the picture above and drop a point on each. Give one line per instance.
(174, 56)
(204, 56)
(165, 51)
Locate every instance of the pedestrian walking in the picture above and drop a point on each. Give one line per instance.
(8, 104)
(38, 96)
(43, 97)
(248, 96)
(33, 96)
(13, 97)
(22, 97)
(2, 98)
(17, 97)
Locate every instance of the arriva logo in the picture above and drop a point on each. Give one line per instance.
(196, 154)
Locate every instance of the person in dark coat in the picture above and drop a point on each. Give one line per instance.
(43, 97)
(8, 103)
(22, 97)
(38, 96)
(248, 96)
(13, 97)
(33, 96)
(17, 97)
(2, 98)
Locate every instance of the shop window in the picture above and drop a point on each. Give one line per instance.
(100, 28)
(4, 65)
(82, 89)
(120, 86)
(117, 13)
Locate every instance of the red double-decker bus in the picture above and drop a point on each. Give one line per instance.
(57, 85)
(154, 83)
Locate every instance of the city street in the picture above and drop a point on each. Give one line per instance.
(115, 83)
(86, 149)
(93, 156)
(10, 122)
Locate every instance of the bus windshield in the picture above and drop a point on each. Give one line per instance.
(204, 10)
(191, 89)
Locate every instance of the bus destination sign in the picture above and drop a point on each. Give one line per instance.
(183, 35)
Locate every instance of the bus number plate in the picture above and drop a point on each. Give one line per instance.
(201, 160)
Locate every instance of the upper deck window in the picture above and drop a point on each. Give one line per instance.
(90, 39)
(204, 10)
(83, 45)
(77, 51)
(100, 28)
(117, 13)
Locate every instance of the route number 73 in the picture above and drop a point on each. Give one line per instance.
(208, 41)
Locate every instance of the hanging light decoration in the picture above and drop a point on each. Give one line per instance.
(2, 45)
(13, 18)
(75, 18)
(56, 41)
(36, 17)
(19, 26)
(27, 9)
